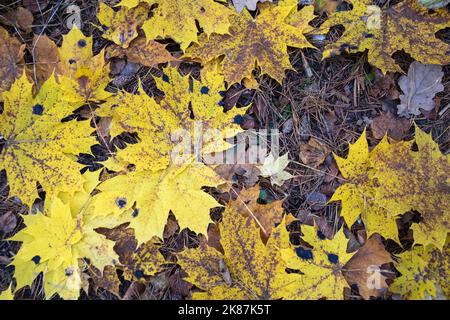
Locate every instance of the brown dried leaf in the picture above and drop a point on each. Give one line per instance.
(363, 267)
(394, 126)
(11, 60)
(46, 58)
(314, 152)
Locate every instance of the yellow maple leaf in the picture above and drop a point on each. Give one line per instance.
(184, 113)
(38, 147)
(177, 19)
(82, 76)
(55, 241)
(247, 269)
(146, 198)
(357, 194)
(409, 180)
(392, 180)
(383, 31)
(322, 266)
(121, 25)
(424, 271)
(262, 41)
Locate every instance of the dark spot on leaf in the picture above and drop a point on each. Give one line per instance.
(202, 10)
(221, 103)
(105, 28)
(304, 254)
(368, 35)
(333, 258)
(165, 78)
(121, 202)
(72, 61)
(320, 235)
(82, 43)
(204, 90)
(135, 213)
(69, 271)
(38, 109)
(36, 259)
(139, 273)
(238, 119)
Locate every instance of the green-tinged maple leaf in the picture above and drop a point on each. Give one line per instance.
(247, 269)
(357, 194)
(55, 242)
(262, 41)
(38, 147)
(177, 19)
(383, 31)
(322, 266)
(424, 272)
(146, 198)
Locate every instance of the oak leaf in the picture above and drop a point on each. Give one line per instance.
(383, 31)
(419, 88)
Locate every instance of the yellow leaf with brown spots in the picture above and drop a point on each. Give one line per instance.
(357, 193)
(260, 41)
(178, 20)
(11, 60)
(38, 147)
(384, 30)
(415, 180)
(147, 53)
(247, 269)
(424, 273)
(121, 25)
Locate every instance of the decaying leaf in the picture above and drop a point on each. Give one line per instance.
(365, 268)
(274, 168)
(177, 20)
(424, 272)
(11, 60)
(262, 41)
(38, 146)
(383, 31)
(53, 242)
(46, 59)
(147, 53)
(415, 180)
(247, 269)
(266, 216)
(322, 266)
(7, 294)
(314, 152)
(250, 4)
(121, 25)
(388, 123)
(419, 88)
(393, 179)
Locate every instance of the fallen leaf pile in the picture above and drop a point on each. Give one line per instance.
(87, 229)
